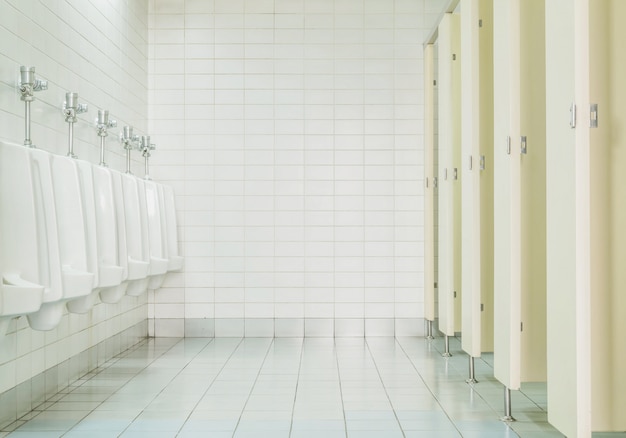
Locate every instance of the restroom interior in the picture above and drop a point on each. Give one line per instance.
(293, 139)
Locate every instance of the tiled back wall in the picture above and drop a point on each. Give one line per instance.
(292, 131)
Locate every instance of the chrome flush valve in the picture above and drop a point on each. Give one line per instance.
(103, 123)
(145, 148)
(29, 83)
(71, 108)
(128, 140)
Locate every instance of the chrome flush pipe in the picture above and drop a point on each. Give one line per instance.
(71, 108)
(28, 85)
(128, 140)
(146, 147)
(103, 123)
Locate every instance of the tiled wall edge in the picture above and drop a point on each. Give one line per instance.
(26, 396)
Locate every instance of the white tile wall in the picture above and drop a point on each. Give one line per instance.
(98, 49)
(292, 132)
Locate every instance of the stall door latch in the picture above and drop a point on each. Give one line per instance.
(572, 115)
(593, 115)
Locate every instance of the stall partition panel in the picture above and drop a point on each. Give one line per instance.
(477, 185)
(533, 190)
(485, 165)
(607, 145)
(566, 395)
(449, 172)
(429, 192)
(507, 317)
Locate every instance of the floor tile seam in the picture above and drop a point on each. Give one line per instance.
(295, 391)
(343, 408)
(382, 382)
(212, 380)
(267, 352)
(427, 386)
(143, 369)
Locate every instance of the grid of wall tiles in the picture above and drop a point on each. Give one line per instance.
(292, 131)
(98, 49)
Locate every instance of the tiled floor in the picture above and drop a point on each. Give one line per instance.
(349, 387)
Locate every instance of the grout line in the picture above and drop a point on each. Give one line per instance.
(295, 393)
(343, 409)
(382, 382)
(269, 347)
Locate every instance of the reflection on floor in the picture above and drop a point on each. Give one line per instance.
(313, 387)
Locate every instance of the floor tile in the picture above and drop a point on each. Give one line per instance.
(299, 388)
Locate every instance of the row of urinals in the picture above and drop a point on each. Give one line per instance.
(72, 233)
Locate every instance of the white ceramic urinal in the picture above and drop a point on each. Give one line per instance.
(20, 261)
(61, 221)
(78, 264)
(169, 225)
(137, 245)
(100, 233)
(135, 269)
(159, 261)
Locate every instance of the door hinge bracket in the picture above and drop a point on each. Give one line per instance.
(572, 116)
(482, 162)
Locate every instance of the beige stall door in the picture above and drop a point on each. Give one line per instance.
(449, 173)
(477, 183)
(429, 192)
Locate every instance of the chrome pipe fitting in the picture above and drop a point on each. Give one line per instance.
(145, 148)
(28, 85)
(71, 108)
(129, 141)
(103, 123)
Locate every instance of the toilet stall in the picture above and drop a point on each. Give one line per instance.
(449, 175)
(519, 193)
(586, 247)
(477, 183)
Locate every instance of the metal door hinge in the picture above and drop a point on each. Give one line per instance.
(508, 145)
(456, 174)
(434, 182)
(426, 182)
(435, 82)
(454, 56)
(435, 285)
(523, 145)
(454, 294)
(572, 116)
(482, 162)
(470, 162)
(445, 174)
(593, 115)
(480, 22)
(521, 326)
(482, 307)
